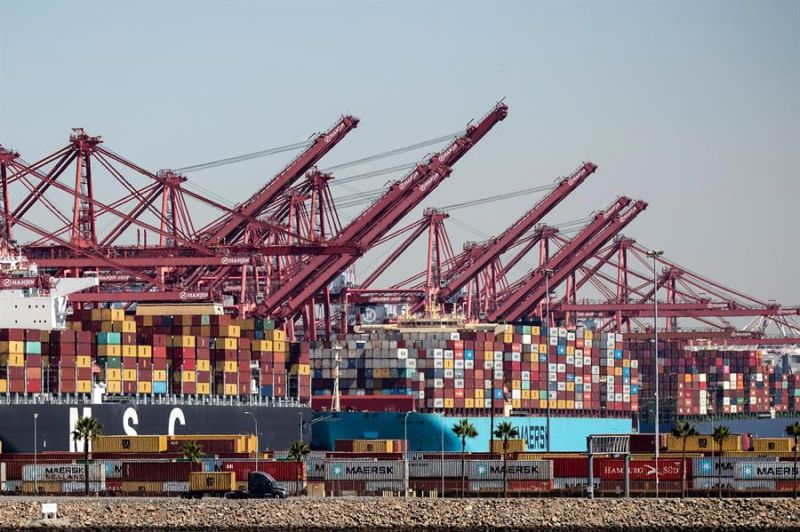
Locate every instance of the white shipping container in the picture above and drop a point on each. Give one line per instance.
(79, 487)
(433, 468)
(765, 470)
(62, 472)
(711, 483)
(517, 469)
(364, 470)
(176, 487)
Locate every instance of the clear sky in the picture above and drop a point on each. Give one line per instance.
(693, 106)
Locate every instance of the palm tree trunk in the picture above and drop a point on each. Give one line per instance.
(683, 469)
(463, 476)
(719, 471)
(297, 484)
(505, 469)
(86, 466)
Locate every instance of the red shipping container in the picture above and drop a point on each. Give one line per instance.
(668, 469)
(158, 471)
(577, 467)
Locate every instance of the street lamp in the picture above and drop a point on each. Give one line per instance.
(35, 453)
(654, 254)
(548, 273)
(255, 421)
(300, 415)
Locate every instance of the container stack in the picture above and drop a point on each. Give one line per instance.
(700, 381)
(198, 355)
(524, 367)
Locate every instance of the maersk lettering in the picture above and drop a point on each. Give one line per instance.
(775, 471)
(369, 470)
(515, 470)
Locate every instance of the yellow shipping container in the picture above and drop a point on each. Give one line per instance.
(703, 443)
(373, 446)
(14, 361)
(469, 403)
(110, 314)
(130, 444)
(182, 309)
(83, 386)
(514, 446)
(113, 386)
(449, 403)
(203, 365)
(262, 346)
(113, 374)
(128, 375)
(159, 374)
(212, 481)
(128, 326)
(187, 376)
(226, 343)
(142, 487)
(780, 445)
(203, 388)
(12, 348)
(129, 351)
(41, 487)
(83, 361)
(516, 403)
(145, 387)
(109, 350)
(227, 389)
(762, 454)
(182, 341)
(3, 386)
(227, 365)
(526, 395)
(543, 348)
(279, 346)
(144, 351)
(479, 393)
(276, 335)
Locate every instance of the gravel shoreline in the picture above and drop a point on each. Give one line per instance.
(376, 514)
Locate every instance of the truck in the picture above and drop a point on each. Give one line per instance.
(259, 486)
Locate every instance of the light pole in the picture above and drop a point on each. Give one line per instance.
(442, 466)
(405, 453)
(300, 423)
(548, 273)
(255, 421)
(654, 254)
(36, 454)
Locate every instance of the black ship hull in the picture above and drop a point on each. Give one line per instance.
(278, 427)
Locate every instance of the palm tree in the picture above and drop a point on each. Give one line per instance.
(191, 451)
(297, 452)
(721, 434)
(464, 429)
(793, 430)
(505, 431)
(86, 430)
(683, 429)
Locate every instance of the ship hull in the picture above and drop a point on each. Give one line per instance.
(278, 427)
(426, 431)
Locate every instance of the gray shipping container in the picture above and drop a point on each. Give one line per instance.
(710, 483)
(364, 470)
(517, 470)
(383, 485)
(62, 472)
(755, 485)
(315, 467)
(176, 487)
(764, 470)
(79, 487)
(565, 483)
(2, 472)
(707, 467)
(434, 468)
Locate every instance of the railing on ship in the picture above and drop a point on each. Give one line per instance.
(166, 399)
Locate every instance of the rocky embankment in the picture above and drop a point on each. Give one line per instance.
(396, 514)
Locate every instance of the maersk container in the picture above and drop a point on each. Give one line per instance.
(434, 468)
(708, 467)
(113, 468)
(315, 468)
(766, 471)
(364, 470)
(62, 472)
(517, 470)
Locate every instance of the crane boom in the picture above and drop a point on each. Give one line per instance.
(378, 219)
(230, 228)
(491, 250)
(518, 291)
(574, 260)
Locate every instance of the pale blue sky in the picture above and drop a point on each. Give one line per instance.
(693, 106)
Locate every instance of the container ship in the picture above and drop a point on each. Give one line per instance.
(167, 369)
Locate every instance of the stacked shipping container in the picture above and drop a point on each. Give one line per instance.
(473, 370)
